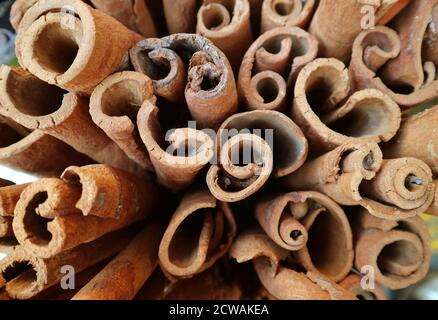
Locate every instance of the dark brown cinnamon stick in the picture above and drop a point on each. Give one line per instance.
(398, 251)
(327, 121)
(76, 48)
(180, 15)
(271, 65)
(210, 90)
(199, 233)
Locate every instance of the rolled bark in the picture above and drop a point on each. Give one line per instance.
(355, 174)
(353, 284)
(134, 14)
(72, 45)
(279, 280)
(286, 13)
(124, 276)
(199, 233)
(210, 91)
(278, 130)
(9, 195)
(390, 9)
(24, 99)
(232, 180)
(417, 128)
(18, 9)
(114, 105)
(373, 50)
(398, 251)
(271, 65)
(336, 24)
(18, 145)
(433, 209)
(27, 275)
(367, 115)
(48, 217)
(188, 150)
(227, 24)
(180, 15)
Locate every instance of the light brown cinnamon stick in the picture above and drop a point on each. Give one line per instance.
(18, 9)
(199, 233)
(355, 174)
(124, 276)
(227, 24)
(366, 116)
(279, 280)
(180, 15)
(114, 105)
(416, 138)
(9, 195)
(178, 162)
(353, 284)
(75, 48)
(286, 13)
(271, 66)
(374, 49)
(24, 99)
(210, 89)
(27, 275)
(49, 218)
(134, 14)
(398, 251)
(433, 209)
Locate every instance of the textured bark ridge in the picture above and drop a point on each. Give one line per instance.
(27, 275)
(327, 121)
(392, 63)
(210, 88)
(286, 13)
(18, 145)
(178, 160)
(180, 15)
(399, 251)
(49, 218)
(134, 14)
(337, 23)
(24, 99)
(124, 276)
(271, 66)
(199, 233)
(355, 174)
(76, 48)
(9, 195)
(280, 280)
(114, 105)
(227, 24)
(353, 284)
(418, 128)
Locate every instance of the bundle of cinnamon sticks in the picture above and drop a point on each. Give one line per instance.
(219, 149)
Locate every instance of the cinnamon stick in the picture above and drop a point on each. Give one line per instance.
(355, 174)
(271, 65)
(417, 128)
(27, 275)
(24, 99)
(9, 195)
(366, 116)
(433, 209)
(18, 9)
(188, 150)
(376, 48)
(199, 233)
(398, 251)
(133, 14)
(76, 48)
(210, 87)
(180, 15)
(227, 24)
(352, 283)
(286, 13)
(49, 218)
(281, 281)
(114, 105)
(124, 276)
